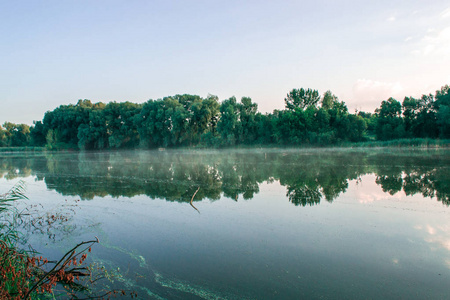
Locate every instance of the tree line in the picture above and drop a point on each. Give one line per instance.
(190, 120)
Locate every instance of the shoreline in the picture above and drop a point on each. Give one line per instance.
(414, 143)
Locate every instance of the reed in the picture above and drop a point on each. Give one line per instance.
(25, 275)
(413, 142)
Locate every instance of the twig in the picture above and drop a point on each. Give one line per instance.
(193, 199)
(64, 260)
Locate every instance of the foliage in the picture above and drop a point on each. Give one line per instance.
(389, 123)
(23, 275)
(301, 98)
(14, 135)
(442, 107)
(190, 120)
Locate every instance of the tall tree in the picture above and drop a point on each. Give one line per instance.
(301, 98)
(155, 123)
(329, 100)
(410, 107)
(247, 125)
(3, 140)
(65, 120)
(94, 135)
(389, 121)
(212, 107)
(17, 135)
(37, 134)
(120, 126)
(442, 106)
(228, 122)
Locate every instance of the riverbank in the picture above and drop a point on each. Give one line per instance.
(22, 149)
(415, 143)
(397, 143)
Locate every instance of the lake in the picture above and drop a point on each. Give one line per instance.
(249, 224)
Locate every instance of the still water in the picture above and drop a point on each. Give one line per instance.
(263, 224)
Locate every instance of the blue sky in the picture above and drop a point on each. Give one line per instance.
(56, 52)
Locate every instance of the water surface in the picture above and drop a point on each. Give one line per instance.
(264, 224)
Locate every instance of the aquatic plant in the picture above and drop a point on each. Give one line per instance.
(25, 275)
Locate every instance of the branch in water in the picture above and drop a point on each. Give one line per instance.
(193, 199)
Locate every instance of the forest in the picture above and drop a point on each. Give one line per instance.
(309, 118)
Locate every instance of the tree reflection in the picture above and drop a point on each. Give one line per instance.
(428, 176)
(308, 176)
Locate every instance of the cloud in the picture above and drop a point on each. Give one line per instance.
(391, 19)
(445, 13)
(435, 43)
(439, 241)
(367, 85)
(372, 192)
(431, 230)
(438, 41)
(438, 236)
(368, 92)
(365, 198)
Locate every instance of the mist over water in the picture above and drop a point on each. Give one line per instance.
(264, 224)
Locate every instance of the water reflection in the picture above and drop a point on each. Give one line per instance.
(309, 176)
(393, 248)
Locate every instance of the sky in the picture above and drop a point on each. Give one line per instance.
(55, 52)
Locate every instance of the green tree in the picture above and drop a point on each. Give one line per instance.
(212, 109)
(16, 135)
(247, 126)
(3, 140)
(64, 122)
(419, 117)
(442, 107)
(301, 98)
(37, 134)
(211, 113)
(227, 125)
(410, 108)
(94, 135)
(389, 121)
(265, 125)
(154, 123)
(120, 126)
(357, 128)
(204, 117)
(370, 121)
(329, 100)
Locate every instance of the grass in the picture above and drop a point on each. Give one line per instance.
(413, 142)
(14, 267)
(24, 275)
(402, 143)
(22, 149)
(407, 142)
